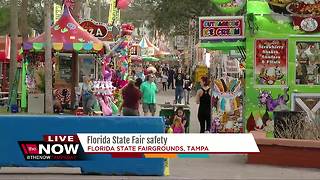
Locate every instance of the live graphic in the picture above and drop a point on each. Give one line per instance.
(53, 148)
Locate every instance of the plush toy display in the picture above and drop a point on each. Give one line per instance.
(226, 105)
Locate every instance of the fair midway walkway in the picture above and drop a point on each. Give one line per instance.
(215, 167)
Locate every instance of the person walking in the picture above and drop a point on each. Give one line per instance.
(170, 78)
(187, 89)
(179, 82)
(164, 80)
(203, 98)
(131, 99)
(149, 90)
(88, 99)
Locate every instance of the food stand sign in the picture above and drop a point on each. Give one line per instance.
(271, 62)
(231, 66)
(221, 27)
(98, 30)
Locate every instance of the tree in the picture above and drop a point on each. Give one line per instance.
(13, 36)
(4, 20)
(48, 57)
(23, 24)
(139, 12)
(172, 16)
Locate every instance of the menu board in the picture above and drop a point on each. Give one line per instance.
(271, 62)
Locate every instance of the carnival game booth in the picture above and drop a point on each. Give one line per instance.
(67, 37)
(221, 37)
(283, 61)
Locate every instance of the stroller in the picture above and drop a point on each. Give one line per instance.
(168, 112)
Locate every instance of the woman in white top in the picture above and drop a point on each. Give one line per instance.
(164, 80)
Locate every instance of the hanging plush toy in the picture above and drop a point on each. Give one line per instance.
(106, 110)
(106, 72)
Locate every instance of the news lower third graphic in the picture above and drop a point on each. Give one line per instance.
(75, 147)
(53, 148)
(168, 143)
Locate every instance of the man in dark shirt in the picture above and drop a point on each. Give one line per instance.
(179, 82)
(170, 78)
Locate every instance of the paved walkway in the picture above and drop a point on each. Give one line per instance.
(215, 167)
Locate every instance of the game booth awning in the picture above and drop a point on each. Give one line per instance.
(67, 36)
(148, 49)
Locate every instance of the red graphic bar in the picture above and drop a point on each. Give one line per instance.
(61, 138)
(127, 155)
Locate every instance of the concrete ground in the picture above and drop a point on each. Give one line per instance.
(215, 167)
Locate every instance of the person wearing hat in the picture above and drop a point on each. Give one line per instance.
(131, 98)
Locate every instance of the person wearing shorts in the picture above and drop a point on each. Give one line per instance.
(149, 91)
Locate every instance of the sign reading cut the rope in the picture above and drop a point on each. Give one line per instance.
(219, 28)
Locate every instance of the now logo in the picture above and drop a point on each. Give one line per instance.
(57, 149)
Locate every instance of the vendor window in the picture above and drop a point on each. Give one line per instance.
(308, 63)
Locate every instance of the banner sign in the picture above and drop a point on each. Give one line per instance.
(57, 12)
(271, 62)
(223, 27)
(180, 42)
(114, 13)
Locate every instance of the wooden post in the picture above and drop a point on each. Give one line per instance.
(75, 77)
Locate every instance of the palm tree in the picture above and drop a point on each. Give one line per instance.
(48, 57)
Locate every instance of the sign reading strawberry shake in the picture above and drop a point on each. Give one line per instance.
(271, 62)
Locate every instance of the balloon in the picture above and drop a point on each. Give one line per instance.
(123, 4)
(123, 58)
(125, 43)
(105, 108)
(107, 59)
(123, 52)
(106, 72)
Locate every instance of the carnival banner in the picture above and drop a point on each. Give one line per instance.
(271, 62)
(57, 12)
